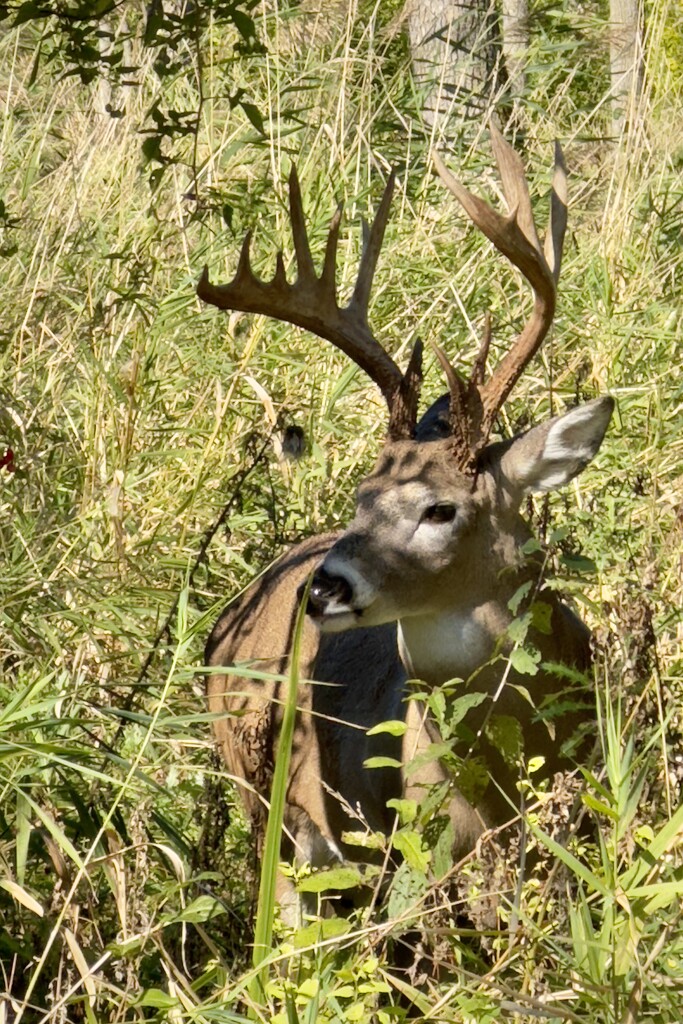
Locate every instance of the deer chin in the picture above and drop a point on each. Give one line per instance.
(335, 620)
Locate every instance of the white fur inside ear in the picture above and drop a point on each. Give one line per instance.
(572, 442)
(574, 435)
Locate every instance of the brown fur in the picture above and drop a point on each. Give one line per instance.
(361, 673)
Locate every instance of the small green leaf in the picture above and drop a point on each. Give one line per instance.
(409, 845)
(407, 888)
(254, 115)
(336, 878)
(518, 596)
(519, 627)
(381, 762)
(559, 534)
(599, 806)
(541, 617)
(366, 840)
(204, 908)
(244, 25)
(156, 997)
(394, 727)
(321, 929)
(461, 706)
(434, 752)
(151, 148)
(578, 563)
(406, 810)
(505, 733)
(525, 661)
(442, 849)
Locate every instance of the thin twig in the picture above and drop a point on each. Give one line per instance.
(239, 480)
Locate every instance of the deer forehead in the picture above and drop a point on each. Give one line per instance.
(409, 476)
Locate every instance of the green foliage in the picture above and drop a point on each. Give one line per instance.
(263, 930)
(627, 905)
(143, 489)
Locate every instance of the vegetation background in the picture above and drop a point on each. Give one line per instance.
(141, 485)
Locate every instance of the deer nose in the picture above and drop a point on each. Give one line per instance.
(326, 590)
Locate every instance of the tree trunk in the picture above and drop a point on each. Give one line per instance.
(625, 60)
(515, 33)
(453, 54)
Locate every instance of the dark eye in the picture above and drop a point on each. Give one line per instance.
(444, 512)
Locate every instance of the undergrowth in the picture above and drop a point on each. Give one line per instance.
(141, 486)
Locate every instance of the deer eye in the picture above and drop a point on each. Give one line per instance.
(444, 512)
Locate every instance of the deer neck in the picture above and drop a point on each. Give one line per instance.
(451, 644)
(457, 638)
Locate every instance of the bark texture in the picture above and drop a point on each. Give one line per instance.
(515, 34)
(452, 44)
(625, 60)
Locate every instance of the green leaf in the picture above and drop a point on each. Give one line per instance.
(23, 835)
(579, 869)
(578, 563)
(265, 913)
(381, 762)
(442, 849)
(519, 627)
(557, 535)
(406, 810)
(321, 929)
(244, 25)
(599, 806)
(461, 706)
(151, 149)
(335, 878)
(394, 727)
(505, 733)
(434, 752)
(518, 596)
(410, 845)
(366, 840)
(254, 115)
(541, 617)
(204, 908)
(157, 998)
(27, 12)
(525, 661)
(407, 888)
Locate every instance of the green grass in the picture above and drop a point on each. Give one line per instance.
(126, 873)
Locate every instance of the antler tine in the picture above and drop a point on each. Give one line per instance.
(403, 410)
(557, 226)
(517, 238)
(515, 187)
(304, 260)
(328, 278)
(459, 411)
(372, 245)
(311, 302)
(544, 285)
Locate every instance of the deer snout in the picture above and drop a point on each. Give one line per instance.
(328, 593)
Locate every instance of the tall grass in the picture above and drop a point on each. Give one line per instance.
(126, 877)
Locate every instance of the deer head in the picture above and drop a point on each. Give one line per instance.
(437, 523)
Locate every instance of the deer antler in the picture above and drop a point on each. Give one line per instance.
(311, 302)
(476, 403)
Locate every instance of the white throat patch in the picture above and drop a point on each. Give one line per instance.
(447, 646)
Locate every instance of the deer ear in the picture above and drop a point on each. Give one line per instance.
(552, 454)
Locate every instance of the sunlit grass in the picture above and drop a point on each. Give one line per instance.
(132, 412)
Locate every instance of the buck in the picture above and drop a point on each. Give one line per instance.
(419, 585)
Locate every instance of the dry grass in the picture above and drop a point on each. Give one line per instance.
(132, 412)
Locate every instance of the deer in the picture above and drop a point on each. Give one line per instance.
(419, 585)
